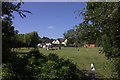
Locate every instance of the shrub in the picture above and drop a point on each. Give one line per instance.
(7, 73)
(35, 66)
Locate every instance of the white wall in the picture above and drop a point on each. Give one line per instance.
(56, 42)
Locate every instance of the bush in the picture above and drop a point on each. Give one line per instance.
(7, 73)
(115, 67)
(35, 66)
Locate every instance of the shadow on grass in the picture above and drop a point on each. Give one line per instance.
(23, 52)
(86, 75)
(52, 49)
(107, 79)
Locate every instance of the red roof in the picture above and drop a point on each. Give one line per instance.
(60, 40)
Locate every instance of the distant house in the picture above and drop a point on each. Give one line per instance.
(60, 41)
(86, 45)
(64, 42)
(41, 45)
(56, 42)
(48, 44)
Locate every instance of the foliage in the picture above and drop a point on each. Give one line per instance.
(83, 34)
(45, 40)
(31, 39)
(20, 40)
(104, 18)
(36, 66)
(105, 24)
(79, 34)
(116, 67)
(28, 39)
(70, 35)
(7, 73)
(8, 31)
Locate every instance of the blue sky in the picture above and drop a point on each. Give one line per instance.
(50, 19)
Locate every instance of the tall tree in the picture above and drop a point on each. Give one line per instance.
(70, 35)
(8, 31)
(105, 17)
(105, 24)
(20, 40)
(31, 39)
(27, 39)
(83, 33)
(34, 38)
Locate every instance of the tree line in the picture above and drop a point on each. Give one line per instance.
(29, 40)
(26, 40)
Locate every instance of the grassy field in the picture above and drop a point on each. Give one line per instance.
(82, 57)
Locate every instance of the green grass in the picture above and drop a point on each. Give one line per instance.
(82, 57)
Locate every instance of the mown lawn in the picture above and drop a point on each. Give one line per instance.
(82, 57)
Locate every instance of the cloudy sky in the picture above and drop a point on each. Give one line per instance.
(50, 19)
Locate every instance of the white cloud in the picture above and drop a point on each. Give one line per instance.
(50, 27)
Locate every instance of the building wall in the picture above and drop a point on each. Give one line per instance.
(89, 45)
